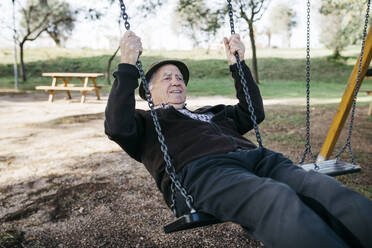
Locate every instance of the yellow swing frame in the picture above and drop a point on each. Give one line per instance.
(346, 102)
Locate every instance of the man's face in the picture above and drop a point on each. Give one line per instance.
(168, 86)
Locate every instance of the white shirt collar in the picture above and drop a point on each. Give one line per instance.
(166, 105)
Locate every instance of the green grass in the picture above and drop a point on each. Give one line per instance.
(280, 77)
(269, 89)
(279, 118)
(286, 139)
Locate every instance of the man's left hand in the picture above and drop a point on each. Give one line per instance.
(233, 45)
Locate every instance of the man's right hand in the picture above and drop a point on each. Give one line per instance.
(233, 45)
(130, 48)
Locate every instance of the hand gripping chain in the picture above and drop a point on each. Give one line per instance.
(244, 82)
(169, 168)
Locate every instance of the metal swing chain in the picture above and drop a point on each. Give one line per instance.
(169, 168)
(348, 141)
(308, 148)
(124, 14)
(243, 81)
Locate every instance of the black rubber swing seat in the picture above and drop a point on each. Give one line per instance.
(192, 220)
(333, 167)
(199, 219)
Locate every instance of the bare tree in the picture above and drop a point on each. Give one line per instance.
(283, 20)
(15, 64)
(148, 7)
(53, 17)
(109, 62)
(251, 11)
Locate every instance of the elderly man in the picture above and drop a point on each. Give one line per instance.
(227, 175)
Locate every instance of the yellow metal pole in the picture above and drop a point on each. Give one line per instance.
(346, 101)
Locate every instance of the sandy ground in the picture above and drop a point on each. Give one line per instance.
(64, 184)
(32, 144)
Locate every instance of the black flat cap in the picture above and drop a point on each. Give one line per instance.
(155, 66)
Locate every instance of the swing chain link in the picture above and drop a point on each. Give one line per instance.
(244, 82)
(169, 168)
(231, 16)
(308, 148)
(348, 140)
(173, 200)
(249, 101)
(124, 14)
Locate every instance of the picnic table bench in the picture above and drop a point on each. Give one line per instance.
(369, 92)
(66, 86)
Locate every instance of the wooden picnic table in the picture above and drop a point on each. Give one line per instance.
(61, 82)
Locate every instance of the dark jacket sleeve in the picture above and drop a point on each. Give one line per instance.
(239, 113)
(122, 124)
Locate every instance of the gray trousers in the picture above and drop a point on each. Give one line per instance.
(279, 203)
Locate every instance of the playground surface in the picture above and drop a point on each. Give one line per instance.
(63, 183)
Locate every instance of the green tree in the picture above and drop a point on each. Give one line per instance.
(250, 11)
(195, 20)
(283, 20)
(149, 7)
(53, 17)
(342, 22)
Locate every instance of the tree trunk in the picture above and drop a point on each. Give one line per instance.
(108, 73)
(22, 69)
(254, 56)
(195, 42)
(269, 40)
(289, 35)
(336, 53)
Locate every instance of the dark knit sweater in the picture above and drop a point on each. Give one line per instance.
(187, 139)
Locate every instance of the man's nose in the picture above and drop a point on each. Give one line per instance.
(175, 81)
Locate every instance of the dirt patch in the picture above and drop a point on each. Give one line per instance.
(64, 184)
